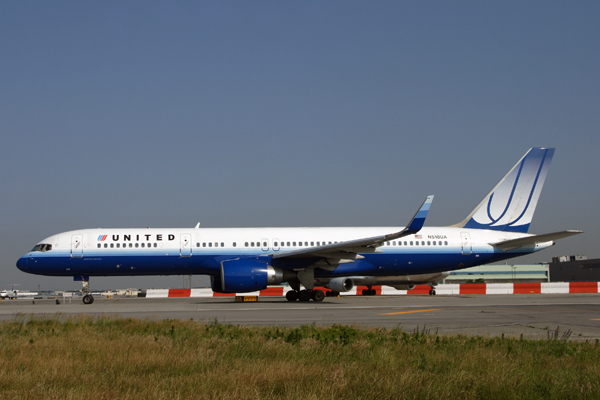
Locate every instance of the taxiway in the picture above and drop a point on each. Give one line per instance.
(512, 315)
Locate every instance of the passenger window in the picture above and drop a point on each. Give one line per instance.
(294, 244)
(234, 244)
(142, 244)
(428, 243)
(299, 243)
(99, 245)
(417, 243)
(137, 245)
(112, 245)
(274, 244)
(411, 243)
(312, 243)
(288, 243)
(222, 244)
(246, 244)
(210, 245)
(446, 243)
(105, 245)
(197, 244)
(306, 243)
(265, 244)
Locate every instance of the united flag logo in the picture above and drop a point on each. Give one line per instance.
(102, 238)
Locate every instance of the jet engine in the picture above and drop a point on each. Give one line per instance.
(404, 287)
(341, 284)
(248, 275)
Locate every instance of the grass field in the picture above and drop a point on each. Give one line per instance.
(115, 358)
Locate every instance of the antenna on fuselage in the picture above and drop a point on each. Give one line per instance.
(197, 225)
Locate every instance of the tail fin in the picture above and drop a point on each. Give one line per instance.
(511, 204)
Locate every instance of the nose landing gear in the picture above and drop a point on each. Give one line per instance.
(85, 290)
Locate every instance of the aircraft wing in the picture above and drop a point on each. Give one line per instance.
(513, 244)
(348, 251)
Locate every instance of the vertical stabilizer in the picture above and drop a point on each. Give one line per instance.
(511, 204)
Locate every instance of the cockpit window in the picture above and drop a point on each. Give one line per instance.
(42, 247)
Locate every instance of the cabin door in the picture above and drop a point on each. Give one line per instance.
(76, 246)
(466, 243)
(186, 245)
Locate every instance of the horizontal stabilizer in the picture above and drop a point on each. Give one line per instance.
(513, 244)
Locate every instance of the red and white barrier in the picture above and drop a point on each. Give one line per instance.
(447, 289)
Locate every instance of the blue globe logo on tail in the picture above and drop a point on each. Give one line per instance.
(511, 204)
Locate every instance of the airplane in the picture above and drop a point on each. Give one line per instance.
(243, 260)
(14, 293)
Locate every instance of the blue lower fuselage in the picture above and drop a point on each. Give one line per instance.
(382, 264)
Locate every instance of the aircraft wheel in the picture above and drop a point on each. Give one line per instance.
(318, 295)
(372, 292)
(334, 294)
(292, 295)
(433, 292)
(88, 299)
(304, 295)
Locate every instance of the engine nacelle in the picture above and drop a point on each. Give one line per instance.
(404, 287)
(248, 275)
(242, 275)
(341, 284)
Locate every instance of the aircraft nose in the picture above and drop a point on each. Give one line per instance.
(23, 263)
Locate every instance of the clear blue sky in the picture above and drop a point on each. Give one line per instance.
(316, 113)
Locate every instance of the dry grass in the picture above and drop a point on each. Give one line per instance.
(114, 358)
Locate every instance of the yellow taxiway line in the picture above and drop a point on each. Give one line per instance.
(409, 312)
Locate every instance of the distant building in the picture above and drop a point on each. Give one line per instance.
(574, 269)
(500, 273)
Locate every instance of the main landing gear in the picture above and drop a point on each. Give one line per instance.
(432, 292)
(85, 290)
(305, 295)
(369, 291)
